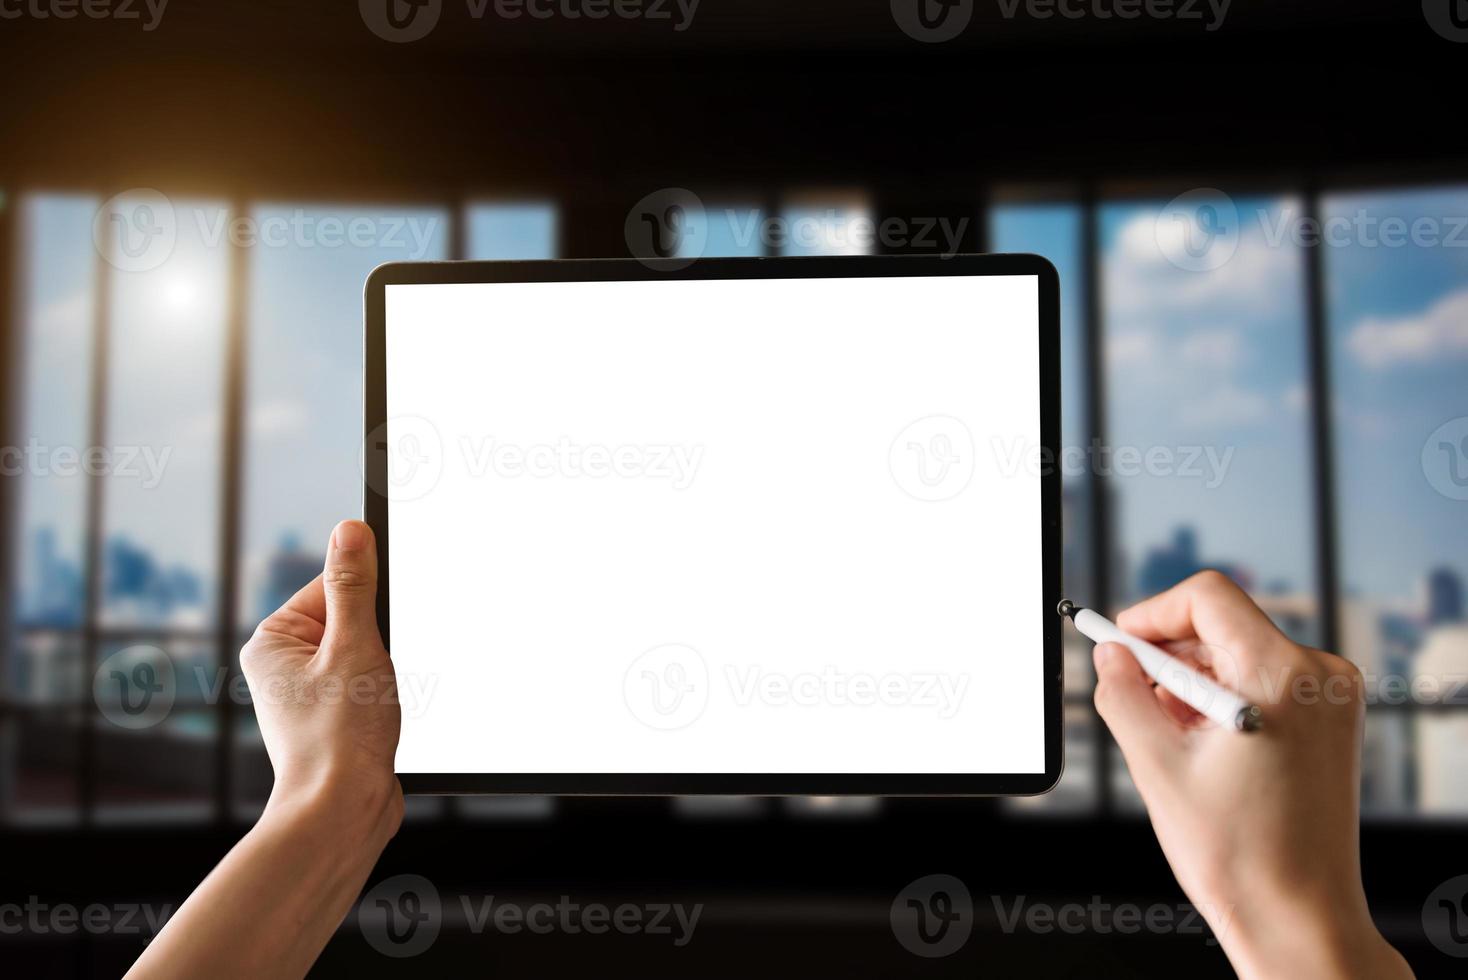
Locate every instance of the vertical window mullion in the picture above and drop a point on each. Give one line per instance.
(1323, 450)
(1099, 514)
(96, 436)
(231, 514)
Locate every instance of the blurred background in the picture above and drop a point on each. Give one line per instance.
(1260, 218)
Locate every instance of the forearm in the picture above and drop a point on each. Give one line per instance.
(1300, 941)
(273, 903)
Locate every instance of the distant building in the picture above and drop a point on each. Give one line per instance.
(54, 589)
(1444, 597)
(1442, 736)
(1164, 567)
(135, 583)
(287, 571)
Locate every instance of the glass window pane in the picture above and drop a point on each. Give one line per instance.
(1054, 231)
(304, 409)
(40, 755)
(304, 384)
(1397, 300)
(730, 230)
(1207, 454)
(828, 225)
(512, 231)
(58, 296)
(168, 315)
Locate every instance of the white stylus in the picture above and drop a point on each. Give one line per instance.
(1200, 692)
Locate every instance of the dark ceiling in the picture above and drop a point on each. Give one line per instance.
(266, 95)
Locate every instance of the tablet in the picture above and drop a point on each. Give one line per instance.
(741, 526)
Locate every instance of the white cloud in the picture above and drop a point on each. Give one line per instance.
(1140, 280)
(1224, 406)
(1215, 347)
(1440, 331)
(1131, 350)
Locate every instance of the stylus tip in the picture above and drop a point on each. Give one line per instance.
(1066, 608)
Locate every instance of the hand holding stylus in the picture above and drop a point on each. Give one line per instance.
(1261, 831)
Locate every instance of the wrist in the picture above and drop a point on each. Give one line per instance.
(360, 812)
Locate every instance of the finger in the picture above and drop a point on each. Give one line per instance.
(350, 584)
(310, 601)
(302, 617)
(1209, 607)
(1127, 703)
(1179, 710)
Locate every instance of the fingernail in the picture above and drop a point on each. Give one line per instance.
(350, 536)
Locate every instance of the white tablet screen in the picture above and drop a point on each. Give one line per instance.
(753, 526)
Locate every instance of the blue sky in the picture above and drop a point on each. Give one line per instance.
(1399, 353)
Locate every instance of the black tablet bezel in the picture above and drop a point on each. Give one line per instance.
(375, 513)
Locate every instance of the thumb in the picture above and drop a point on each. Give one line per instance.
(350, 582)
(1128, 704)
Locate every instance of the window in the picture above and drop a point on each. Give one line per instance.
(1205, 384)
(1398, 316)
(512, 231)
(826, 224)
(303, 403)
(45, 667)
